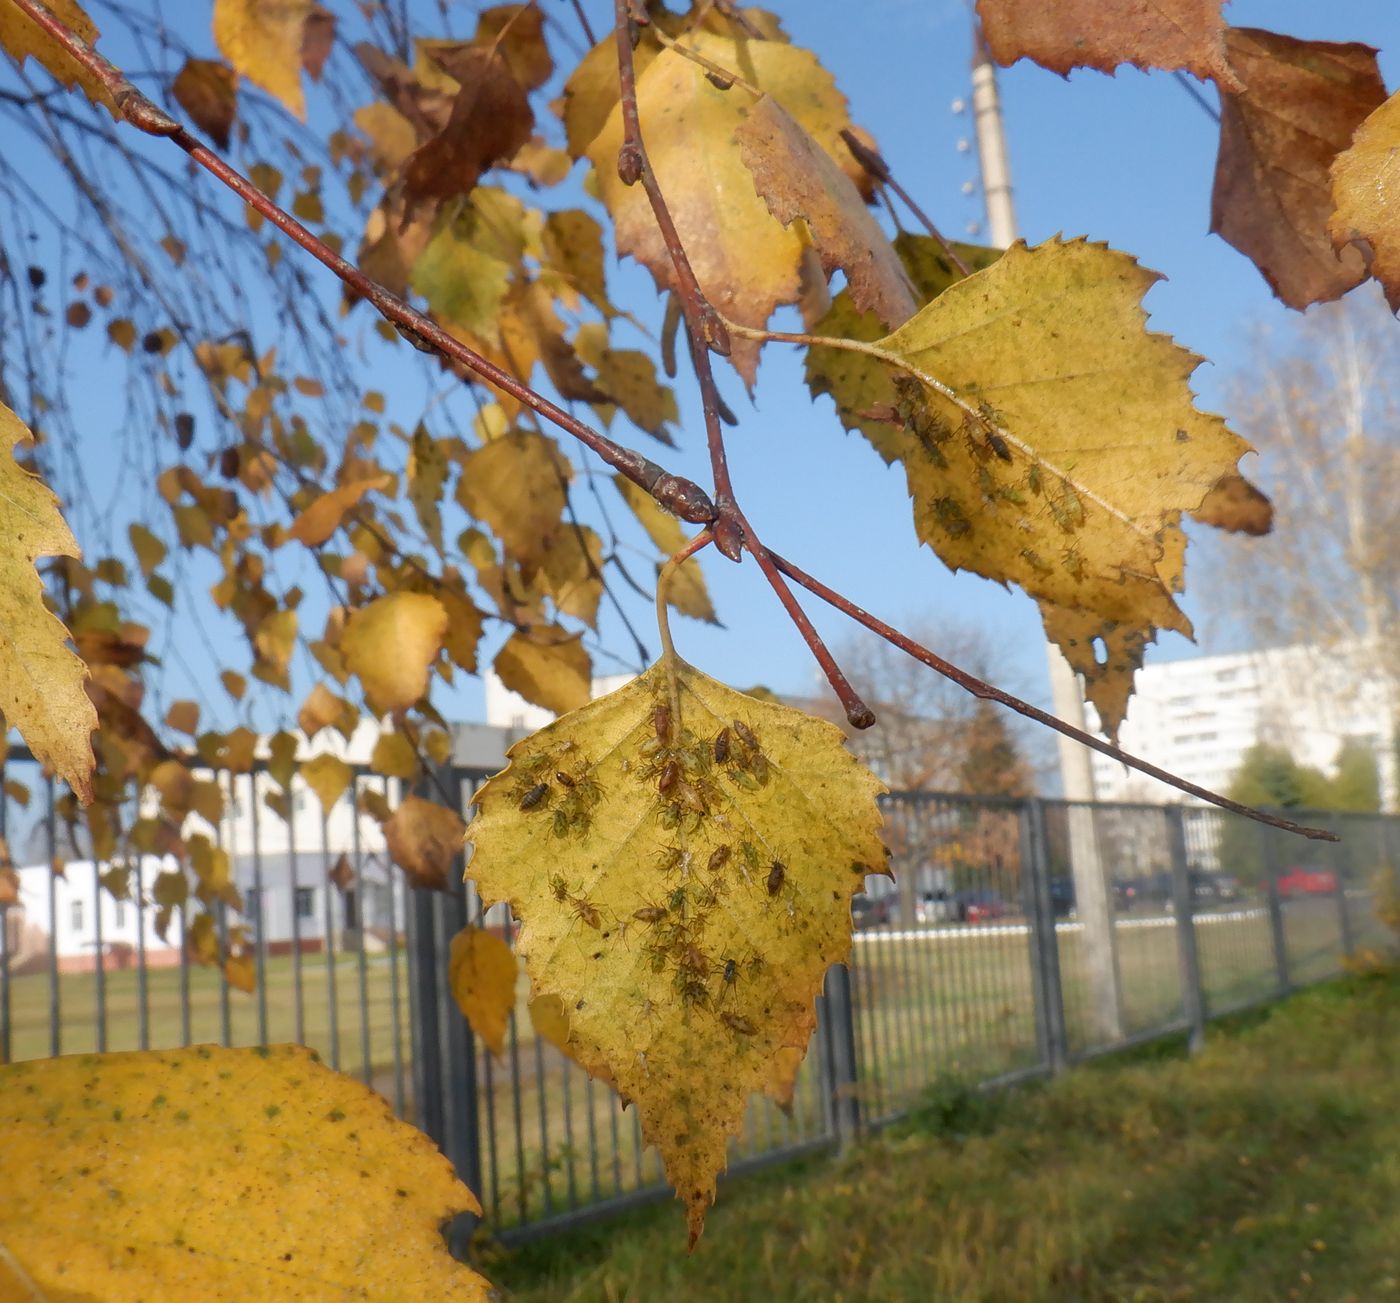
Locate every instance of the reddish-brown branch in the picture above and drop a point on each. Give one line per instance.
(706, 330)
(681, 496)
(872, 161)
(987, 692)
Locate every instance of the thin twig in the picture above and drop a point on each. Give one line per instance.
(584, 23)
(707, 330)
(874, 163)
(680, 496)
(716, 72)
(1196, 95)
(987, 692)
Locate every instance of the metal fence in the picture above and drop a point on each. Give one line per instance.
(994, 956)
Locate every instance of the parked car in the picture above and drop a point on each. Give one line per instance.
(1153, 892)
(1062, 897)
(1299, 881)
(935, 907)
(870, 911)
(978, 906)
(1212, 888)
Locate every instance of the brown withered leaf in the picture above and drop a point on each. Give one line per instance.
(490, 119)
(423, 840)
(516, 33)
(207, 89)
(1300, 104)
(340, 874)
(1065, 34)
(1236, 506)
(796, 178)
(427, 109)
(317, 37)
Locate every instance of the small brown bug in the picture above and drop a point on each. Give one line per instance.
(661, 722)
(736, 1022)
(722, 746)
(745, 734)
(730, 968)
(998, 445)
(670, 776)
(587, 913)
(776, 876)
(719, 859)
(650, 914)
(534, 797)
(564, 778)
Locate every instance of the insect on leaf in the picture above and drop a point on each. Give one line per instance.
(41, 680)
(683, 907)
(105, 1141)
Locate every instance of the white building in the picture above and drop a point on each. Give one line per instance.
(1196, 718)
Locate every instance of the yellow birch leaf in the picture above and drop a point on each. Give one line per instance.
(394, 757)
(22, 36)
(482, 973)
(546, 666)
(423, 840)
(274, 642)
(322, 518)
(391, 644)
(551, 1021)
(104, 1141)
(41, 680)
(702, 857)
(572, 572)
(517, 485)
(203, 940)
(150, 551)
(746, 262)
(328, 776)
(464, 625)
(262, 39)
(241, 972)
(1364, 182)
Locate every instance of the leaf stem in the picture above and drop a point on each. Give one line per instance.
(663, 616)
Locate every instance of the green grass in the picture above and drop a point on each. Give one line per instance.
(1267, 1168)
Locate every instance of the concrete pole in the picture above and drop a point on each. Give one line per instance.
(1091, 890)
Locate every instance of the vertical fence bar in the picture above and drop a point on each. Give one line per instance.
(328, 927)
(1184, 903)
(5, 863)
(1343, 873)
(143, 994)
(298, 992)
(55, 1002)
(259, 910)
(838, 1030)
(361, 960)
(99, 985)
(1047, 986)
(1276, 928)
(423, 973)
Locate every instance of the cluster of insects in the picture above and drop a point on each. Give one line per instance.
(562, 786)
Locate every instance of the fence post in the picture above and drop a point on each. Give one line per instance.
(838, 1029)
(1340, 878)
(423, 982)
(1276, 929)
(1046, 986)
(1193, 1003)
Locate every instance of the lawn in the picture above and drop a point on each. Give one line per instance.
(1267, 1168)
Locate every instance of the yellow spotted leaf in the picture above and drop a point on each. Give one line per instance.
(328, 776)
(21, 36)
(546, 666)
(262, 39)
(482, 972)
(102, 1141)
(701, 853)
(424, 839)
(391, 644)
(746, 261)
(322, 518)
(1071, 443)
(517, 484)
(41, 679)
(1365, 178)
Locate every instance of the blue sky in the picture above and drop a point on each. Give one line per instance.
(1126, 159)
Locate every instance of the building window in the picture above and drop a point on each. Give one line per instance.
(306, 902)
(75, 915)
(352, 911)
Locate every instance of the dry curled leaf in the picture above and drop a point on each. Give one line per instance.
(167, 1158)
(207, 89)
(702, 852)
(1299, 104)
(1064, 34)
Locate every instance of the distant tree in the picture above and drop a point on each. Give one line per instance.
(992, 763)
(1356, 784)
(1268, 776)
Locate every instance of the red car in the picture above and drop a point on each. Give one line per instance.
(1307, 882)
